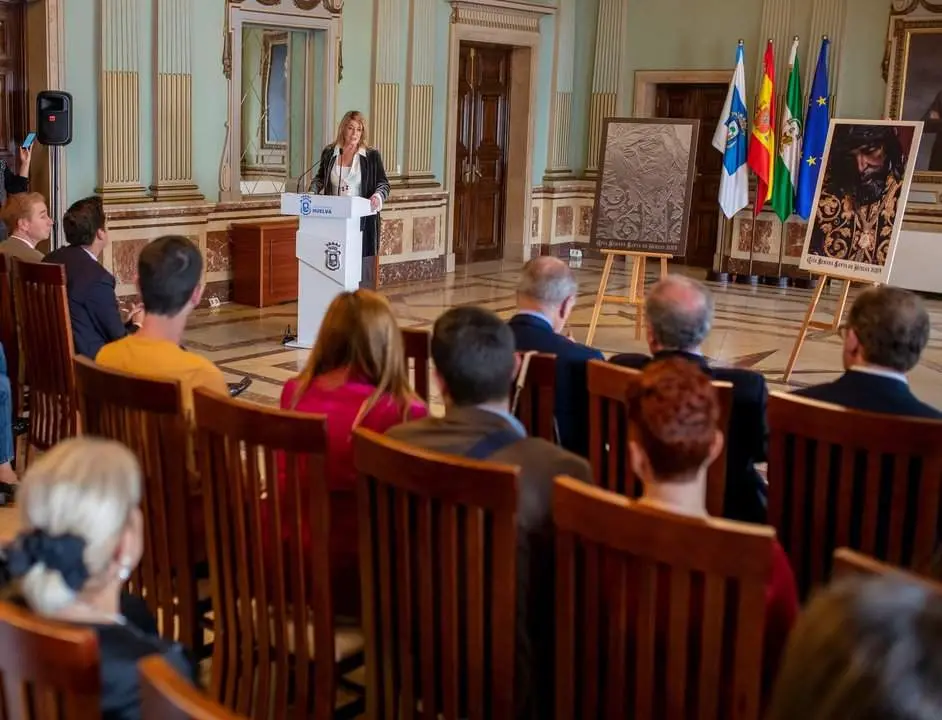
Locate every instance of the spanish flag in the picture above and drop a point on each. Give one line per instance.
(762, 141)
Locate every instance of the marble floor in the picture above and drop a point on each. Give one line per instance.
(753, 328)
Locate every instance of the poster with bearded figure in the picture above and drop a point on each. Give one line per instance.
(861, 198)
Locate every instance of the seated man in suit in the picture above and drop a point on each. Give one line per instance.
(679, 314)
(473, 352)
(546, 295)
(27, 221)
(884, 336)
(93, 305)
(170, 278)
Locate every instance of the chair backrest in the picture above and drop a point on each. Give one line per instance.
(536, 406)
(147, 416)
(843, 478)
(42, 315)
(165, 695)
(416, 344)
(849, 563)
(9, 337)
(657, 615)
(50, 671)
(609, 389)
(267, 524)
(438, 568)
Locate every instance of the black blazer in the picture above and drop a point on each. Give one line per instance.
(871, 393)
(747, 435)
(93, 304)
(572, 393)
(374, 182)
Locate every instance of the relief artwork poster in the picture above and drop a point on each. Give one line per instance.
(861, 198)
(645, 185)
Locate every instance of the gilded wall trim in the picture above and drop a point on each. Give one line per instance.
(519, 17)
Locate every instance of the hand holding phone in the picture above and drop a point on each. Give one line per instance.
(28, 142)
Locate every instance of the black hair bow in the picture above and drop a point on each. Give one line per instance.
(63, 553)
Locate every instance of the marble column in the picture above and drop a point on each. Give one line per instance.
(388, 73)
(420, 72)
(558, 164)
(120, 103)
(173, 103)
(604, 99)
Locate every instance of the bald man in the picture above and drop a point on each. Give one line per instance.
(680, 314)
(546, 296)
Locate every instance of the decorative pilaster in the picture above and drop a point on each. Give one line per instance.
(776, 25)
(561, 119)
(826, 19)
(386, 88)
(604, 99)
(120, 97)
(173, 104)
(420, 81)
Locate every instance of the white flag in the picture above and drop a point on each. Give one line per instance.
(732, 139)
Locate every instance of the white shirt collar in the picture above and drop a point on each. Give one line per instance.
(24, 240)
(90, 253)
(880, 372)
(337, 149)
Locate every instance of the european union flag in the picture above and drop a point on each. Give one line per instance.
(816, 134)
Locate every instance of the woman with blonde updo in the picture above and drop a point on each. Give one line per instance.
(82, 537)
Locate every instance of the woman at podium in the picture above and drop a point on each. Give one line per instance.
(349, 166)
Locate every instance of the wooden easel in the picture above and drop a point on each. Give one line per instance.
(635, 287)
(811, 324)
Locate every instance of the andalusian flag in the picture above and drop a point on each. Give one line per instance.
(762, 142)
(789, 153)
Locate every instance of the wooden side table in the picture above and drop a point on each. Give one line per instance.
(264, 262)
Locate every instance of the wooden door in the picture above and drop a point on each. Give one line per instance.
(481, 152)
(703, 102)
(12, 80)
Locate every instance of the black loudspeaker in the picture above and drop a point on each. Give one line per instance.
(54, 117)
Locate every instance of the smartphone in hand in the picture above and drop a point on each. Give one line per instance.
(28, 142)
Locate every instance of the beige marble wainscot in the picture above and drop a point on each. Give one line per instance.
(412, 237)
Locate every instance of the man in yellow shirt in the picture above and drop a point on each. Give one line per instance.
(170, 273)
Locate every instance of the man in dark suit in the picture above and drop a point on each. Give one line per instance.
(93, 305)
(473, 351)
(680, 313)
(884, 336)
(546, 295)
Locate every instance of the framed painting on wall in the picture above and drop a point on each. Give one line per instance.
(914, 89)
(645, 183)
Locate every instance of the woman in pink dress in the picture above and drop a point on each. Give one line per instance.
(357, 377)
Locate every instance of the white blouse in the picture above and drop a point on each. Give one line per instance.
(347, 179)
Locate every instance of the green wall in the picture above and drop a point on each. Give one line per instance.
(860, 87)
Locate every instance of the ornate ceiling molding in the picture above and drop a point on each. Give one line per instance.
(500, 14)
(906, 7)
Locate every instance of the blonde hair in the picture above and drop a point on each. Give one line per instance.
(19, 207)
(85, 487)
(353, 116)
(359, 333)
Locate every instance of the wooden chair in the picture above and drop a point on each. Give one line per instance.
(147, 416)
(9, 337)
(167, 696)
(843, 478)
(417, 347)
(50, 670)
(438, 566)
(42, 315)
(848, 563)
(609, 388)
(536, 407)
(657, 615)
(277, 643)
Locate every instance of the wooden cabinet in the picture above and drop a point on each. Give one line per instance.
(264, 263)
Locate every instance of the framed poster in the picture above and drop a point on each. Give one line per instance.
(861, 198)
(645, 184)
(914, 88)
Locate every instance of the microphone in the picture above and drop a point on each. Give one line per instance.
(307, 172)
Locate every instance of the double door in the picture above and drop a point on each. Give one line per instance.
(704, 102)
(481, 152)
(13, 99)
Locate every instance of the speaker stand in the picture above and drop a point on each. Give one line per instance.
(54, 199)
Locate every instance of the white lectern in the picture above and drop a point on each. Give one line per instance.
(329, 250)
